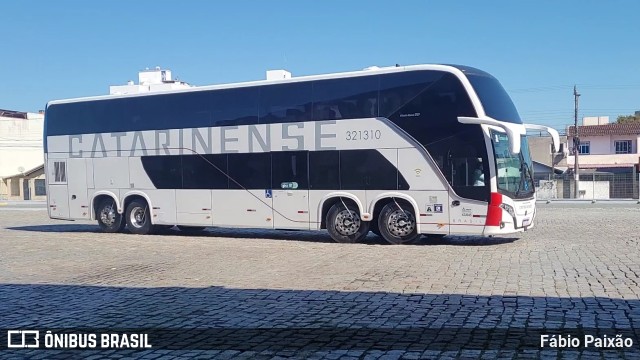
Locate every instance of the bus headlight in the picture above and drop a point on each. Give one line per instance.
(509, 209)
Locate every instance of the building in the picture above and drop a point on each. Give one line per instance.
(149, 81)
(546, 160)
(608, 158)
(606, 147)
(20, 144)
(29, 185)
(549, 165)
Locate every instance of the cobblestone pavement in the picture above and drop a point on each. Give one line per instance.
(297, 294)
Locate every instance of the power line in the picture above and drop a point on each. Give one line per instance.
(565, 87)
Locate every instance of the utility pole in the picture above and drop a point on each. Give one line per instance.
(576, 146)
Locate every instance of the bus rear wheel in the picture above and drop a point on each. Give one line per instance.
(344, 224)
(397, 223)
(108, 218)
(137, 217)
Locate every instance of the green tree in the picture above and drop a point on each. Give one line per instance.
(628, 119)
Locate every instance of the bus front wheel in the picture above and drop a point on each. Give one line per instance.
(344, 224)
(138, 217)
(108, 218)
(397, 223)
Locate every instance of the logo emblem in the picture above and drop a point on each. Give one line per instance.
(23, 339)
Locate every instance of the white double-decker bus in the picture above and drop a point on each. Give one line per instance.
(400, 151)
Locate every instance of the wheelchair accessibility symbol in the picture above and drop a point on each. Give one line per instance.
(267, 194)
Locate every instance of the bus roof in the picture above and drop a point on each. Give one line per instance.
(455, 69)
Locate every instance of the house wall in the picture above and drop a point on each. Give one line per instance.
(540, 149)
(634, 143)
(594, 189)
(599, 145)
(21, 144)
(12, 188)
(602, 151)
(611, 159)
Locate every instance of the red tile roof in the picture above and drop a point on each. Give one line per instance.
(13, 114)
(598, 166)
(609, 129)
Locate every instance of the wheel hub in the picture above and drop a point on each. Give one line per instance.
(347, 222)
(108, 216)
(137, 217)
(401, 223)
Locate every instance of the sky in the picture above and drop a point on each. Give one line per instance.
(537, 49)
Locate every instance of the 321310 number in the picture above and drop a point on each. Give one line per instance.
(355, 135)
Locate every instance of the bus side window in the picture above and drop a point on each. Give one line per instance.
(235, 106)
(285, 103)
(205, 172)
(165, 171)
(367, 169)
(324, 170)
(289, 170)
(249, 170)
(347, 97)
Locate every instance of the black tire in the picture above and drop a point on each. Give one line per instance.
(191, 229)
(108, 218)
(397, 223)
(345, 225)
(138, 217)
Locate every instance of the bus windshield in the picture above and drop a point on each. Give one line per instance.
(495, 100)
(514, 171)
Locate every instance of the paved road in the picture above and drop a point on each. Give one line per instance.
(7, 205)
(297, 294)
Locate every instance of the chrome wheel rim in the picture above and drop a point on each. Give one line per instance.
(347, 222)
(401, 223)
(108, 215)
(137, 217)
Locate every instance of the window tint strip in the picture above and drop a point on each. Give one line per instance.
(316, 170)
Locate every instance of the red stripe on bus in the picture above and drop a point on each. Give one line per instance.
(494, 212)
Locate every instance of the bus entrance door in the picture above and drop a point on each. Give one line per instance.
(291, 209)
(77, 183)
(57, 194)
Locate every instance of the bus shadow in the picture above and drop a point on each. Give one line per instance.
(283, 235)
(323, 236)
(235, 233)
(58, 228)
(467, 241)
